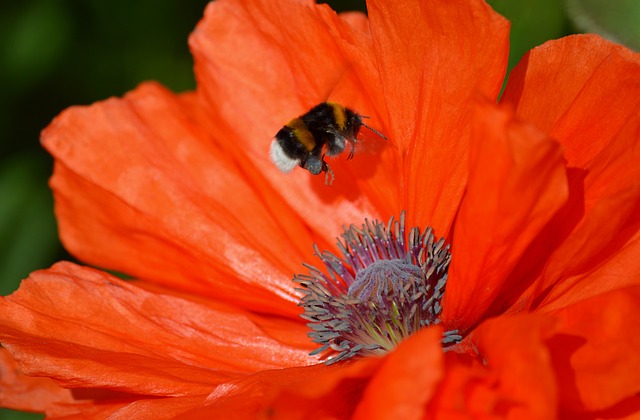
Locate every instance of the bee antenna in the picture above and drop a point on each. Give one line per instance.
(374, 130)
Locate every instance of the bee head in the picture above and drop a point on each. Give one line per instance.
(314, 164)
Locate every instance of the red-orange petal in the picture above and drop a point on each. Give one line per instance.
(505, 372)
(618, 270)
(343, 66)
(142, 188)
(298, 393)
(406, 380)
(596, 352)
(257, 74)
(583, 360)
(606, 217)
(514, 350)
(434, 57)
(133, 408)
(26, 393)
(586, 93)
(517, 183)
(580, 89)
(86, 328)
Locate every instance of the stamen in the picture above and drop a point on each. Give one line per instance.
(384, 288)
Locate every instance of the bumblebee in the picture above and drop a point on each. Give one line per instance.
(324, 130)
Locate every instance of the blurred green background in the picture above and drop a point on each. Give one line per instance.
(54, 54)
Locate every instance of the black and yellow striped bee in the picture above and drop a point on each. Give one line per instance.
(324, 130)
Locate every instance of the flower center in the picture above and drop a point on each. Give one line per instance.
(381, 278)
(382, 290)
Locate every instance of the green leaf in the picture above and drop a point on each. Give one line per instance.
(6, 414)
(616, 20)
(28, 238)
(34, 36)
(532, 23)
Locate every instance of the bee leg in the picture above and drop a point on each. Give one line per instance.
(329, 176)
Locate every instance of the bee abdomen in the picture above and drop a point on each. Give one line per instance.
(286, 151)
(298, 132)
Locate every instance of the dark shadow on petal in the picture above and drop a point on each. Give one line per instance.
(623, 410)
(561, 348)
(533, 259)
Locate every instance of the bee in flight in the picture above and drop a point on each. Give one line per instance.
(325, 129)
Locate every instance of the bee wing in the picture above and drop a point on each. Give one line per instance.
(369, 143)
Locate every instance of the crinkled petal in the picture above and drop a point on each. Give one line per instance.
(142, 188)
(87, 329)
(139, 408)
(517, 184)
(298, 393)
(27, 393)
(434, 57)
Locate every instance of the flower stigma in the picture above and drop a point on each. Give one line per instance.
(383, 289)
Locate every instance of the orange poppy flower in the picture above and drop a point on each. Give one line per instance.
(537, 197)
